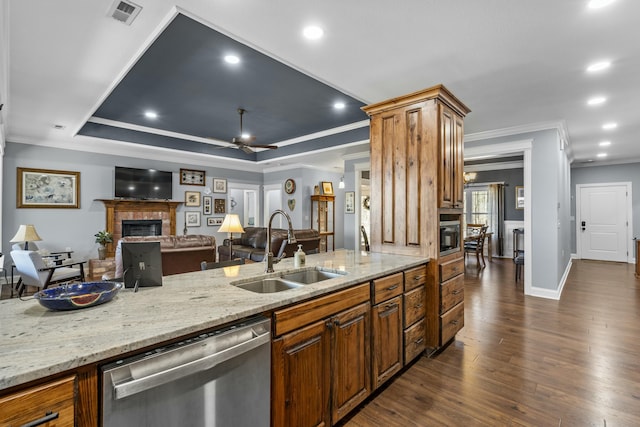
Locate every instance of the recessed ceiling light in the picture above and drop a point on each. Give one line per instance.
(151, 114)
(597, 100)
(604, 143)
(313, 32)
(339, 105)
(231, 59)
(602, 154)
(598, 66)
(609, 126)
(597, 4)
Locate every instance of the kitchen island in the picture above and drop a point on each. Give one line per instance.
(36, 343)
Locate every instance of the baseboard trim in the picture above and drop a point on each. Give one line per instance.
(553, 293)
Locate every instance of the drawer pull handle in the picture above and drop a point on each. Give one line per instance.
(418, 342)
(390, 306)
(454, 322)
(418, 306)
(416, 278)
(456, 292)
(48, 417)
(390, 288)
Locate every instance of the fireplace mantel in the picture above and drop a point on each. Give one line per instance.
(119, 209)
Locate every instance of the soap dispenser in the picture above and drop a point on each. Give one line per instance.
(299, 258)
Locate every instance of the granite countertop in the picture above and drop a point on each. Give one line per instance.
(36, 342)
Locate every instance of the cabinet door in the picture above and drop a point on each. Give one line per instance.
(447, 158)
(300, 382)
(387, 339)
(458, 163)
(44, 405)
(351, 362)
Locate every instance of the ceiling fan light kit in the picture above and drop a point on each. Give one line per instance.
(243, 141)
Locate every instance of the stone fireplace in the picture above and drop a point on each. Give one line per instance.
(138, 210)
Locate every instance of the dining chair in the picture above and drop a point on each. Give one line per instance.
(34, 272)
(476, 246)
(365, 238)
(4, 273)
(204, 265)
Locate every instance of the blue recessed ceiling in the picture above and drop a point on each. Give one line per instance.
(184, 79)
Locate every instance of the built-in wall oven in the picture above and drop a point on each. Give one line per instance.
(219, 378)
(449, 236)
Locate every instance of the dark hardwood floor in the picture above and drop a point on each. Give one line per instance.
(528, 361)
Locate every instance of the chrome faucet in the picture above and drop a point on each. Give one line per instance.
(291, 238)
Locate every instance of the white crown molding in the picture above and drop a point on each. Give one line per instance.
(321, 134)
(605, 163)
(357, 156)
(306, 153)
(560, 126)
(494, 166)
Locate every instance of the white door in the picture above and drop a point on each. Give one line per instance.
(272, 201)
(602, 222)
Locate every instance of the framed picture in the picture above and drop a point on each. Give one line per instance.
(192, 177)
(350, 202)
(192, 198)
(327, 188)
(219, 185)
(45, 188)
(215, 220)
(207, 201)
(219, 206)
(519, 197)
(192, 219)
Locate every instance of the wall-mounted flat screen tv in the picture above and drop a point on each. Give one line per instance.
(143, 184)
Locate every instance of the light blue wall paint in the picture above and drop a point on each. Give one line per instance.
(607, 174)
(511, 179)
(549, 205)
(61, 228)
(351, 220)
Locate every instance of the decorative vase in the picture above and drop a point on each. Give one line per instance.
(102, 252)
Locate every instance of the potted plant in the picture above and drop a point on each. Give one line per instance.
(103, 237)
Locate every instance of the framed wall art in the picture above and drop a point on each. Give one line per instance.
(350, 202)
(192, 177)
(327, 188)
(46, 188)
(519, 197)
(192, 219)
(192, 198)
(219, 185)
(207, 202)
(215, 220)
(219, 206)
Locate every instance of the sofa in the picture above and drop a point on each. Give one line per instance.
(253, 242)
(180, 254)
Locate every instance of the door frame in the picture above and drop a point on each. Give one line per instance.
(267, 208)
(358, 168)
(629, 238)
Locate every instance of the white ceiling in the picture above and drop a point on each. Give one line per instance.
(514, 63)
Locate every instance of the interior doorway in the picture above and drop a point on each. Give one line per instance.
(363, 197)
(272, 202)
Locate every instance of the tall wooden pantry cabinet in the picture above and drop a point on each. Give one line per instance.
(417, 177)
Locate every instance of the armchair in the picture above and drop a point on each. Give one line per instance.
(34, 272)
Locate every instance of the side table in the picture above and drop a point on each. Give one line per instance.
(98, 267)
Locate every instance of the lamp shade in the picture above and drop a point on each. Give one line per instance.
(26, 233)
(231, 224)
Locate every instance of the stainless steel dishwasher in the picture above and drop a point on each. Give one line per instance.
(221, 378)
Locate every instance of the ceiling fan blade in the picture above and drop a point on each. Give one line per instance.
(247, 149)
(270, 147)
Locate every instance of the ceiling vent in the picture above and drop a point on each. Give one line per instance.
(124, 11)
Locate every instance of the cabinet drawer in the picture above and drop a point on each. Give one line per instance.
(38, 402)
(414, 306)
(304, 313)
(415, 277)
(414, 343)
(387, 287)
(451, 293)
(451, 322)
(451, 269)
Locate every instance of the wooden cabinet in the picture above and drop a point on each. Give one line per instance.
(49, 404)
(415, 309)
(450, 156)
(451, 300)
(321, 364)
(387, 327)
(323, 218)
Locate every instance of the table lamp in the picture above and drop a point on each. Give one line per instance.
(231, 224)
(26, 233)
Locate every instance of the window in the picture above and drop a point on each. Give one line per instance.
(476, 203)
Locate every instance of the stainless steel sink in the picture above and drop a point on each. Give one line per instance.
(310, 276)
(268, 285)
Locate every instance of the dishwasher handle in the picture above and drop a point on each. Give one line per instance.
(156, 379)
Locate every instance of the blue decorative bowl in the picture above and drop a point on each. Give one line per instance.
(77, 295)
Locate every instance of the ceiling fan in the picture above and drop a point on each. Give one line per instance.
(244, 142)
